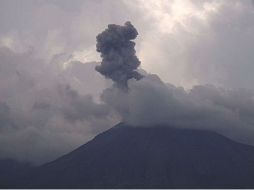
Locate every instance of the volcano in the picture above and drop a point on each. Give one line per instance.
(150, 157)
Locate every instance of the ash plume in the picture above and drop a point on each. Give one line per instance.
(119, 62)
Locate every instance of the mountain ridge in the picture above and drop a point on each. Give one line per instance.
(150, 157)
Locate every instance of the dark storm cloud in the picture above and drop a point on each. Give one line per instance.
(119, 61)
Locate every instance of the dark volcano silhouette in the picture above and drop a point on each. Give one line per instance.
(11, 171)
(156, 157)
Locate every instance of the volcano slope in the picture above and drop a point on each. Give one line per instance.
(150, 157)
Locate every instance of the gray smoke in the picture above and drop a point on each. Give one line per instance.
(151, 103)
(119, 61)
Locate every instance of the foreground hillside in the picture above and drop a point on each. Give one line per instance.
(157, 157)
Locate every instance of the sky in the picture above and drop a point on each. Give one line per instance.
(195, 55)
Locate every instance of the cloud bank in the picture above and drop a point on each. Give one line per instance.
(150, 102)
(45, 110)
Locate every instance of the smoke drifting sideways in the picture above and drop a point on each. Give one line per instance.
(149, 102)
(119, 61)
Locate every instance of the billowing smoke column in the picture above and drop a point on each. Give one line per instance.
(119, 61)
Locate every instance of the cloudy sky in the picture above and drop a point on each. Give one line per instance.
(196, 55)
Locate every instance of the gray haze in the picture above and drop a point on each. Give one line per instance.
(52, 100)
(46, 111)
